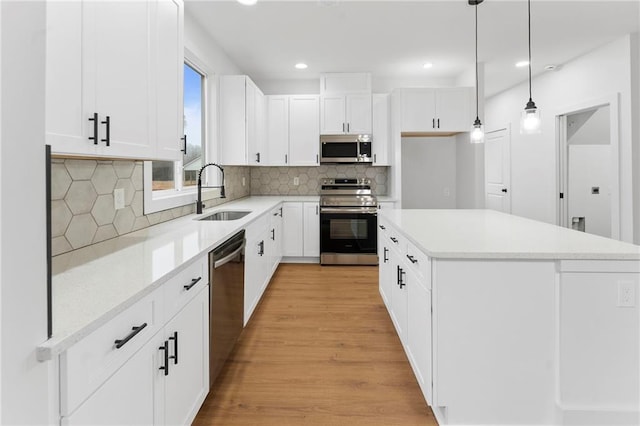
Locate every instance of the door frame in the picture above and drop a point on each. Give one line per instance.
(562, 178)
(508, 184)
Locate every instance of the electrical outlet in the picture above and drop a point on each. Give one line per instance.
(296, 181)
(118, 198)
(447, 192)
(626, 294)
(243, 181)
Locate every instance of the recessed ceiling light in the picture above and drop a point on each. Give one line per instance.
(427, 65)
(522, 64)
(247, 2)
(301, 66)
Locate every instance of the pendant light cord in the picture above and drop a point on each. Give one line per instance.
(529, 16)
(477, 109)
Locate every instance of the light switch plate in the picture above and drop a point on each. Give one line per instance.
(118, 198)
(626, 294)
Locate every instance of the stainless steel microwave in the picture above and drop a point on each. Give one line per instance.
(345, 149)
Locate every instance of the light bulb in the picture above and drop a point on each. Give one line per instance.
(477, 132)
(530, 122)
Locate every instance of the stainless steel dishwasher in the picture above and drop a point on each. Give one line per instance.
(226, 303)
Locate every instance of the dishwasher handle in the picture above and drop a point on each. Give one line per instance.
(227, 259)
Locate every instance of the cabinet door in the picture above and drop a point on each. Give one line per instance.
(69, 105)
(292, 229)
(381, 129)
(277, 130)
(384, 205)
(232, 127)
(304, 132)
(385, 273)
(254, 272)
(399, 296)
(275, 241)
(187, 384)
(418, 110)
(118, 66)
(332, 118)
(169, 69)
(418, 342)
(311, 230)
(358, 113)
(132, 396)
(453, 109)
(255, 122)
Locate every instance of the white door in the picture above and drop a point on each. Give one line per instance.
(358, 114)
(277, 130)
(311, 230)
(497, 166)
(332, 120)
(304, 130)
(188, 381)
(121, 35)
(292, 229)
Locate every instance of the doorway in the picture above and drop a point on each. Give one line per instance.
(588, 171)
(497, 166)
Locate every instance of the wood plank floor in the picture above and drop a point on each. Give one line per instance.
(320, 349)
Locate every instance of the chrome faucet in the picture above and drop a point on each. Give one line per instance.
(199, 204)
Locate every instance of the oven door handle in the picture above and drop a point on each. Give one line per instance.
(367, 210)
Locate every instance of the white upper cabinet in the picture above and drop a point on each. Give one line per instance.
(277, 130)
(436, 110)
(345, 103)
(381, 130)
(105, 81)
(241, 121)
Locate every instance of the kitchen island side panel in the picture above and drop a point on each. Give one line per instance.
(494, 331)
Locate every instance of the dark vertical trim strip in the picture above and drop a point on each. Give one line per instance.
(48, 236)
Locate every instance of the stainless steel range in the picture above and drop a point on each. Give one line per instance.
(348, 220)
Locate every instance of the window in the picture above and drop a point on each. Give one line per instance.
(173, 183)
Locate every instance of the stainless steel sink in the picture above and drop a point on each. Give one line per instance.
(226, 215)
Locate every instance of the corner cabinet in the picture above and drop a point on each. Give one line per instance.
(446, 110)
(114, 90)
(345, 103)
(148, 365)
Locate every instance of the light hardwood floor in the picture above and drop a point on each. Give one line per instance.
(320, 349)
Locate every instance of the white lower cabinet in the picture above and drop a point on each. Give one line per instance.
(385, 267)
(311, 243)
(157, 374)
(301, 229)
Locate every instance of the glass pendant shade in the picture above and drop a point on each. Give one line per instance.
(530, 120)
(477, 132)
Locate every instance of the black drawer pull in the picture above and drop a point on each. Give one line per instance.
(165, 348)
(135, 330)
(174, 357)
(107, 123)
(395, 240)
(194, 281)
(385, 259)
(382, 227)
(412, 259)
(94, 138)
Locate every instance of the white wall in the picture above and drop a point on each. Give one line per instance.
(598, 74)
(24, 387)
(635, 114)
(589, 127)
(429, 173)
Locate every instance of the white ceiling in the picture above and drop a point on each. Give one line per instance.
(392, 39)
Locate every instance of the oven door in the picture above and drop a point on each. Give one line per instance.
(345, 230)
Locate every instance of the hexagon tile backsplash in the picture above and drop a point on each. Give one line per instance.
(82, 210)
(280, 180)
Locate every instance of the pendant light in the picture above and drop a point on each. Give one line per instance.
(477, 131)
(530, 119)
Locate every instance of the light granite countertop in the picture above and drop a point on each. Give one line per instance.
(93, 284)
(488, 234)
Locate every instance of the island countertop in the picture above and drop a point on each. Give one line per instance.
(488, 234)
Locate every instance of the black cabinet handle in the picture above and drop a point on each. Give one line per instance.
(135, 330)
(412, 259)
(317, 159)
(382, 226)
(348, 127)
(94, 138)
(280, 211)
(174, 357)
(385, 259)
(505, 190)
(286, 159)
(273, 234)
(107, 134)
(343, 128)
(257, 157)
(433, 123)
(261, 248)
(438, 123)
(184, 138)
(194, 281)
(400, 273)
(165, 348)
(395, 240)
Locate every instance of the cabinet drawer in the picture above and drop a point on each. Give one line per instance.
(90, 362)
(396, 240)
(275, 217)
(420, 263)
(179, 290)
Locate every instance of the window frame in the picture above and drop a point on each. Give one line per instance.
(155, 201)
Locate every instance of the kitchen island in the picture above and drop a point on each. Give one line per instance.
(507, 320)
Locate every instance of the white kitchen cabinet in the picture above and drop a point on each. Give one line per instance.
(385, 279)
(381, 130)
(256, 268)
(446, 110)
(277, 127)
(304, 130)
(345, 103)
(241, 110)
(384, 205)
(274, 243)
(311, 242)
(293, 229)
(399, 298)
(104, 81)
